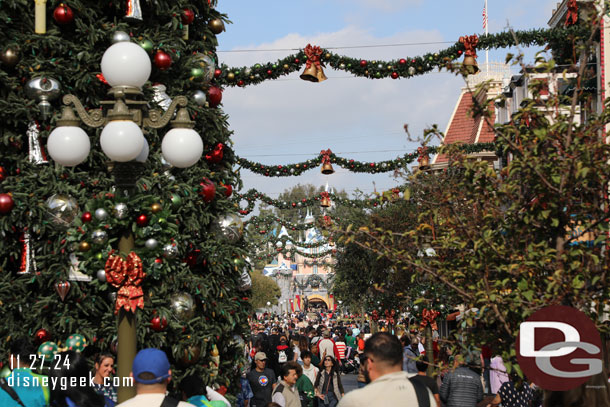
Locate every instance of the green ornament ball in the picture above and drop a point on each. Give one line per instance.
(239, 262)
(76, 342)
(48, 350)
(257, 66)
(147, 45)
(176, 200)
(197, 73)
(5, 372)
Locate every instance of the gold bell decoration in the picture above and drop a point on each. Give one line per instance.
(325, 202)
(313, 68)
(470, 54)
(424, 158)
(327, 167)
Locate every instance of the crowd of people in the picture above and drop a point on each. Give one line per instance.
(301, 363)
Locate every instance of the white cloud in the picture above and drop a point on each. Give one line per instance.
(354, 116)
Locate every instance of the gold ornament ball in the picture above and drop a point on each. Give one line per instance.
(327, 56)
(156, 207)
(10, 57)
(230, 76)
(216, 26)
(286, 66)
(84, 247)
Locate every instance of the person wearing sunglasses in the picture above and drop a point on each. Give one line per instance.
(328, 386)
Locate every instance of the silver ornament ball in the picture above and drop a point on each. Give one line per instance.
(229, 227)
(101, 275)
(61, 210)
(411, 70)
(170, 251)
(120, 210)
(151, 244)
(99, 236)
(245, 281)
(183, 306)
(199, 97)
(120, 36)
(100, 214)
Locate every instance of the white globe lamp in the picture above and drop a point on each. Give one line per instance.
(182, 147)
(143, 156)
(126, 64)
(68, 145)
(122, 140)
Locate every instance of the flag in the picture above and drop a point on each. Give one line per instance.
(485, 16)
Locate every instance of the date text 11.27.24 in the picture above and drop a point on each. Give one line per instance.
(39, 361)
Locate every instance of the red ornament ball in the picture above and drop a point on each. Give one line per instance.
(228, 189)
(214, 96)
(187, 16)
(208, 190)
(158, 324)
(394, 75)
(162, 60)
(42, 335)
(86, 217)
(158, 260)
(402, 61)
(217, 73)
(142, 220)
(240, 83)
(6, 203)
(2, 173)
(363, 63)
(63, 14)
(269, 72)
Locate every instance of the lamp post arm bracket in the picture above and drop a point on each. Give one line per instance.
(157, 119)
(94, 118)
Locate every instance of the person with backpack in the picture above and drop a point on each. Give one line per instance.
(388, 384)
(284, 352)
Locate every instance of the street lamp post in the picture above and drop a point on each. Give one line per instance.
(126, 67)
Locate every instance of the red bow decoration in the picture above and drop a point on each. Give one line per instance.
(313, 55)
(126, 275)
(216, 155)
(429, 317)
(389, 316)
(326, 156)
(572, 15)
(470, 43)
(327, 221)
(375, 315)
(423, 153)
(325, 194)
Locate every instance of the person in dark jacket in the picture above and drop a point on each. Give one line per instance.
(463, 387)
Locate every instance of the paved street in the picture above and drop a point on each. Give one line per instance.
(349, 382)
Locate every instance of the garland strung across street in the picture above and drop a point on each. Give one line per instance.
(265, 223)
(314, 58)
(325, 199)
(327, 157)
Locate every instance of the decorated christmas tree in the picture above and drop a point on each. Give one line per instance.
(115, 233)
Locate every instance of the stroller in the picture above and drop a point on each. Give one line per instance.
(351, 363)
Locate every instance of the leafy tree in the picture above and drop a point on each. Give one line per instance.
(264, 290)
(533, 234)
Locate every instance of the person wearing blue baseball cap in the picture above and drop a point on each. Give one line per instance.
(151, 373)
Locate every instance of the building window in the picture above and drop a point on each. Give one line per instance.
(315, 269)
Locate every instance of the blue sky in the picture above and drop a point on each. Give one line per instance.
(290, 120)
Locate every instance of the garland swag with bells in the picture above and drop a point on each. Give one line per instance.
(314, 58)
